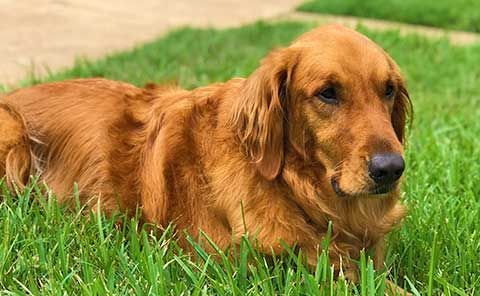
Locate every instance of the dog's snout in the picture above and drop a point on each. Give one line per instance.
(386, 168)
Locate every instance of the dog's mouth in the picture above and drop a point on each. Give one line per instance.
(337, 189)
(383, 189)
(379, 190)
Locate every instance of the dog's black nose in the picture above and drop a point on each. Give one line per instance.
(386, 168)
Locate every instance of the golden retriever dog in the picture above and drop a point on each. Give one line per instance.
(315, 134)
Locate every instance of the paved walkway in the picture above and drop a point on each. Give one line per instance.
(34, 34)
(455, 37)
(49, 34)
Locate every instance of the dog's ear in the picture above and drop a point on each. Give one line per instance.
(259, 112)
(402, 112)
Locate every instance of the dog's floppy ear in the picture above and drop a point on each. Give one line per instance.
(402, 111)
(260, 110)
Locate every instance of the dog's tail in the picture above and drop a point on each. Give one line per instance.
(15, 154)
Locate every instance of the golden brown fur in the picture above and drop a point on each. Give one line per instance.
(265, 144)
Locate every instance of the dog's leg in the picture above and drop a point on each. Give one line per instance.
(395, 290)
(379, 259)
(14, 151)
(273, 229)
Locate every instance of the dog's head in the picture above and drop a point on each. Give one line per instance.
(335, 98)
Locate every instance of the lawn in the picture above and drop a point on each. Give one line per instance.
(459, 15)
(47, 249)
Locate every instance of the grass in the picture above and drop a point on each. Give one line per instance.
(46, 249)
(459, 15)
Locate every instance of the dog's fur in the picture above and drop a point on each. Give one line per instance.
(255, 154)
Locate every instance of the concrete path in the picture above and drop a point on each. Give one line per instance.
(47, 35)
(455, 37)
(41, 35)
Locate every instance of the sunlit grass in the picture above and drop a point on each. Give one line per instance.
(458, 15)
(46, 249)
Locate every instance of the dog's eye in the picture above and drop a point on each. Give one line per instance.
(328, 95)
(389, 90)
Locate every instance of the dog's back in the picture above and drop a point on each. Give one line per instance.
(60, 131)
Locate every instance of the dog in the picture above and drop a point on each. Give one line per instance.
(315, 134)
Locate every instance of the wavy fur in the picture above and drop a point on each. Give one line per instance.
(256, 154)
